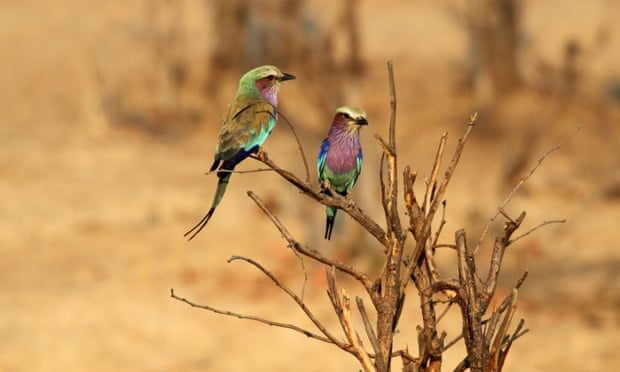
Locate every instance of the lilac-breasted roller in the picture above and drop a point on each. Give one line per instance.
(250, 119)
(340, 157)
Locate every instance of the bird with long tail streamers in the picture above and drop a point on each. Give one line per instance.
(340, 158)
(250, 119)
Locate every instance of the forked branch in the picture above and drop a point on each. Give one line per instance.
(316, 255)
(521, 182)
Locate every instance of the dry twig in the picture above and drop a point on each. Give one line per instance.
(251, 317)
(318, 256)
(299, 146)
(521, 182)
(335, 200)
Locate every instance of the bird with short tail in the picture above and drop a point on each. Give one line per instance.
(340, 157)
(250, 119)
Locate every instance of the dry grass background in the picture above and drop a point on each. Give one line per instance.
(93, 206)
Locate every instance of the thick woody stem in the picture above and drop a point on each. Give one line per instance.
(391, 297)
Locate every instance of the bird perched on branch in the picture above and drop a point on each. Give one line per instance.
(250, 119)
(340, 157)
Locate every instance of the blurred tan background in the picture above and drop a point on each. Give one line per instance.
(109, 113)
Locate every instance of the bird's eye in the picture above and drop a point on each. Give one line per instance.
(347, 116)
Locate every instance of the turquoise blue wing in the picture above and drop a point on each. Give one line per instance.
(320, 164)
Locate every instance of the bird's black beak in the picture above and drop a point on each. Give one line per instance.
(286, 76)
(361, 121)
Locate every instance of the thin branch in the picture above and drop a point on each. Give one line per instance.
(368, 326)
(491, 322)
(318, 256)
(387, 148)
(303, 269)
(466, 272)
(295, 298)
(342, 307)
(453, 342)
(257, 170)
(508, 300)
(405, 354)
(508, 343)
(442, 223)
(408, 361)
(352, 335)
(301, 150)
(411, 204)
(332, 291)
(499, 248)
(301, 261)
(393, 103)
(446, 245)
(445, 311)
(425, 230)
(423, 346)
(507, 349)
(429, 248)
(544, 223)
(328, 200)
(522, 279)
(252, 317)
(443, 285)
(462, 366)
(505, 214)
(390, 192)
(518, 331)
(432, 181)
(519, 334)
(503, 329)
(384, 196)
(390, 203)
(390, 198)
(520, 183)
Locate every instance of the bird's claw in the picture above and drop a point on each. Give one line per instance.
(326, 187)
(350, 202)
(261, 154)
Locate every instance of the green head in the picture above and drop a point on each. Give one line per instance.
(263, 81)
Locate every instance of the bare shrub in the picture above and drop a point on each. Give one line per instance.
(487, 332)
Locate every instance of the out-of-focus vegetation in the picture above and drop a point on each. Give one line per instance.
(108, 121)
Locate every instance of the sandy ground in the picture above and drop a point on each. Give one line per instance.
(93, 212)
